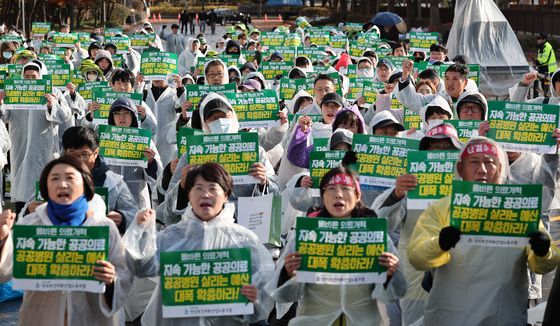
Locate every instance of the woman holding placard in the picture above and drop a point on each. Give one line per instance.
(67, 185)
(207, 224)
(321, 304)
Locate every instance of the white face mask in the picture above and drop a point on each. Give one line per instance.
(7, 54)
(365, 72)
(221, 126)
(91, 77)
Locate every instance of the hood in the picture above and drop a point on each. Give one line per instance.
(233, 44)
(225, 80)
(189, 43)
(37, 65)
(356, 111)
(208, 98)
(297, 72)
(259, 76)
(104, 54)
(237, 71)
(501, 155)
(133, 109)
(438, 101)
(470, 96)
(302, 94)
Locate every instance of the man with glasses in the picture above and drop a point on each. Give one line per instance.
(82, 143)
(323, 85)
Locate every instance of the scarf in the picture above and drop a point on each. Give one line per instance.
(72, 215)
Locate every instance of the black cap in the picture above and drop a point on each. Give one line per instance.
(471, 99)
(542, 36)
(340, 137)
(333, 97)
(215, 105)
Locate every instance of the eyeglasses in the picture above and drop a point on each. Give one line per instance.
(80, 156)
(473, 109)
(218, 75)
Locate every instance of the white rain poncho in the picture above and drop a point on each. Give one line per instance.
(519, 92)
(321, 304)
(491, 281)
(73, 307)
(188, 59)
(166, 116)
(482, 33)
(34, 137)
(143, 246)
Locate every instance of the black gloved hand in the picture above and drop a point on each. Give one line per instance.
(164, 26)
(540, 243)
(448, 237)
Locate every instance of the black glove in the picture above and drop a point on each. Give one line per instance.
(448, 237)
(540, 243)
(163, 27)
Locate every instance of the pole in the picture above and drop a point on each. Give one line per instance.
(260, 8)
(104, 15)
(23, 17)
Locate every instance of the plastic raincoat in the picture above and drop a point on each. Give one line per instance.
(321, 304)
(73, 307)
(194, 234)
(188, 59)
(34, 137)
(492, 281)
(166, 115)
(174, 43)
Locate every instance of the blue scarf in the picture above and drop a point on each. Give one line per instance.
(73, 214)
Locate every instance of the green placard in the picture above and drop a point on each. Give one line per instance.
(64, 40)
(27, 94)
(322, 162)
(352, 71)
(381, 159)
(11, 38)
(421, 41)
(14, 70)
(411, 119)
(111, 31)
(124, 146)
(60, 74)
(466, 129)
(288, 53)
(255, 109)
(271, 69)
(398, 61)
(250, 55)
(319, 38)
(320, 144)
(230, 59)
(58, 258)
(434, 171)
(273, 39)
(339, 42)
(356, 87)
(314, 54)
(370, 91)
(195, 92)
(86, 89)
(235, 152)
(205, 283)
(341, 250)
(292, 39)
(39, 29)
(357, 50)
(158, 65)
(495, 215)
(121, 42)
(84, 37)
(105, 99)
(290, 87)
(523, 127)
(141, 40)
(182, 137)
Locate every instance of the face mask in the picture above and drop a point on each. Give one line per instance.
(91, 77)
(7, 54)
(365, 72)
(221, 126)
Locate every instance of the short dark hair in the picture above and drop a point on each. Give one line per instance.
(430, 74)
(348, 117)
(458, 68)
(212, 63)
(302, 61)
(211, 172)
(438, 48)
(123, 75)
(395, 45)
(461, 59)
(323, 77)
(174, 26)
(73, 162)
(78, 137)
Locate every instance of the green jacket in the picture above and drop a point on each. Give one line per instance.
(546, 57)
